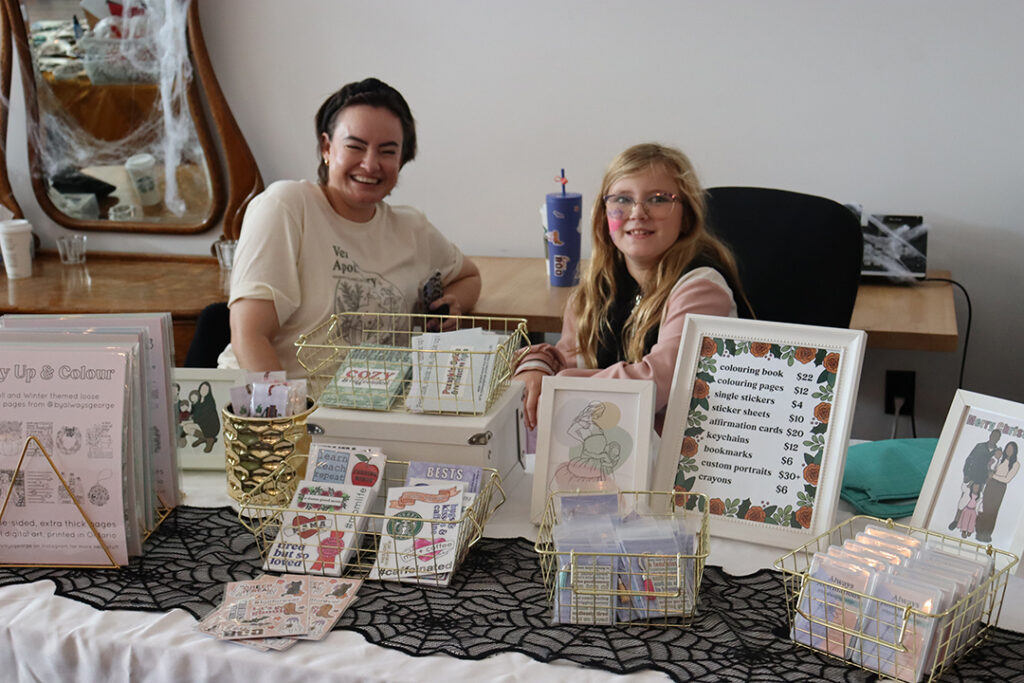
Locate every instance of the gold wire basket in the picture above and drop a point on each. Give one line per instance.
(601, 588)
(265, 522)
(367, 361)
(890, 639)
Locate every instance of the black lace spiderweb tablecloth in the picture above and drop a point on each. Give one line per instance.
(496, 603)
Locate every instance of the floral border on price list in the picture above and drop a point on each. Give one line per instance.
(758, 420)
(799, 512)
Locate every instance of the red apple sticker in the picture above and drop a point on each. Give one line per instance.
(364, 473)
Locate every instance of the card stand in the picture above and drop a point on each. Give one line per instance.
(886, 638)
(163, 511)
(381, 368)
(99, 539)
(603, 588)
(265, 521)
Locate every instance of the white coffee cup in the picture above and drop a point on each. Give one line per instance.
(142, 172)
(16, 246)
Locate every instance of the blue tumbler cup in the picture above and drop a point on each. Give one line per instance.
(563, 238)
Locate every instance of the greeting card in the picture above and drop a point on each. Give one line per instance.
(321, 529)
(412, 544)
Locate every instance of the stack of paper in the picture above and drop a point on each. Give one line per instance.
(369, 378)
(94, 391)
(452, 371)
(321, 528)
(157, 365)
(75, 398)
(275, 612)
(412, 545)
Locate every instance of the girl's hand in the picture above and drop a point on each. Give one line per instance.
(532, 381)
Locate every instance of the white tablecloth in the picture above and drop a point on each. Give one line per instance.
(49, 638)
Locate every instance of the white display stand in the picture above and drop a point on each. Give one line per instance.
(492, 440)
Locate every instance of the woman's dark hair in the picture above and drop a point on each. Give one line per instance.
(1012, 457)
(374, 93)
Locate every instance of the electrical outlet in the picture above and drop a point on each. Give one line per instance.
(899, 383)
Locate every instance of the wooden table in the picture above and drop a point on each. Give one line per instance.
(121, 283)
(919, 317)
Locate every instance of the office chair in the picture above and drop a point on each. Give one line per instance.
(799, 256)
(213, 332)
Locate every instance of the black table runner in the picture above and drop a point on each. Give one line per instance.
(497, 603)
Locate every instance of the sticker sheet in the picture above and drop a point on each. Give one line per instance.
(321, 529)
(411, 544)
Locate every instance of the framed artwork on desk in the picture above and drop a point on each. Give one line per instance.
(198, 395)
(593, 434)
(972, 490)
(758, 420)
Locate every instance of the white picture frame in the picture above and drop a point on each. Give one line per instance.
(592, 432)
(974, 421)
(198, 450)
(758, 419)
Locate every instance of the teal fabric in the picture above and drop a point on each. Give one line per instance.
(884, 478)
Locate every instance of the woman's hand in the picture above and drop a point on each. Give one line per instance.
(532, 381)
(453, 309)
(460, 294)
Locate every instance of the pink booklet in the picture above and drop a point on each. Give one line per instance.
(159, 360)
(73, 399)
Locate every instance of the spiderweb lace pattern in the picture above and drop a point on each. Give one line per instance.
(497, 603)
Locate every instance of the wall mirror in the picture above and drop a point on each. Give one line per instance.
(118, 138)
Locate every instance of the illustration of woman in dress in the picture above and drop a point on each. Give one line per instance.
(599, 453)
(1004, 468)
(204, 415)
(969, 515)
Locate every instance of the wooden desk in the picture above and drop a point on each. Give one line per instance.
(121, 283)
(918, 317)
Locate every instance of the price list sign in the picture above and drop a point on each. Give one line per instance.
(757, 427)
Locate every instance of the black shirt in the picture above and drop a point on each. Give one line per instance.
(610, 343)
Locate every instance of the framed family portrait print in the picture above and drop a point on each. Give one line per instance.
(592, 435)
(199, 394)
(972, 490)
(758, 420)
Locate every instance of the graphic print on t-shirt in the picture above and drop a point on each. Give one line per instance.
(359, 290)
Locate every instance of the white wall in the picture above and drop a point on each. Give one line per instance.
(908, 107)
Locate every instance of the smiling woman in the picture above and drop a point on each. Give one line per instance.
(308, 251)
(362, 160)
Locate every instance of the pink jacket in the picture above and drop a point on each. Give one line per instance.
(702, 290)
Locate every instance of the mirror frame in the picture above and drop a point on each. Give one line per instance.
(242, 181)
(6, 59)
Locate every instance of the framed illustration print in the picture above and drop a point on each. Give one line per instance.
(592, 435)
(758, 420)
(198, 395)
(972, 490)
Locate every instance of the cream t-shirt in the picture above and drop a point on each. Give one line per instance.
(296, 251)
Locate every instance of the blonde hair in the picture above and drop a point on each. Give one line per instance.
(596, 292)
